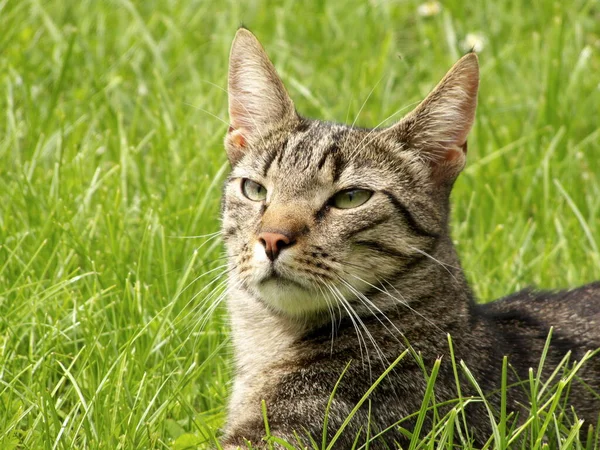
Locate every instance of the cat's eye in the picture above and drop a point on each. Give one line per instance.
(254, 191)
(350, 198)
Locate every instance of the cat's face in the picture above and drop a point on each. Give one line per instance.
(315, 214)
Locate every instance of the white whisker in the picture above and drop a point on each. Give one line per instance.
(364, 327)
(200, 236)
(218, 279)
(368, 302)
(382, 357)
(443, 264)
(402, 302)
(331, 315)
(206, 112)
(359, 335)
(359, 147)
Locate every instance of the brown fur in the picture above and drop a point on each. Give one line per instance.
(387, 269)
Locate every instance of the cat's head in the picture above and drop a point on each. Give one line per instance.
(315, 214)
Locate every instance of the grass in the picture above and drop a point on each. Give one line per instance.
(112, 119)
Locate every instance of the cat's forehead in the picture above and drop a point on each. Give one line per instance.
(314, 147)
(316, 152)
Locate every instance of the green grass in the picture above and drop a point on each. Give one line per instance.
(112, 119)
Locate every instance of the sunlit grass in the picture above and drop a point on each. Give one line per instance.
(111, 161)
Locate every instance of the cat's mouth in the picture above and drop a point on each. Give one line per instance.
(275, 276)
(287, 293)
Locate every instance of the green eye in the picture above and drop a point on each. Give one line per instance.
(350, 198)
(254, 191)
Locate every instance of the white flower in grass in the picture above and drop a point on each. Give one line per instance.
(429, 9)
(36, 90)
(142, 89)
(473, 42)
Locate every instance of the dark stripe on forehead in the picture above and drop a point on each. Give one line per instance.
(339, 164)
(300, 155)
(333, 151)
(271, 157)
(410, 219)
(324, 157)
(295, 150)
(281, 152)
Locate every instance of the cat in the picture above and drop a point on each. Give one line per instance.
(340, 258)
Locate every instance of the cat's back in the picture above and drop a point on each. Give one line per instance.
(521, 322)
(574, 314)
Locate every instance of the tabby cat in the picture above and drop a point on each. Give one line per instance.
(340, 252)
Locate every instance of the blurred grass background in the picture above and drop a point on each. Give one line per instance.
(112, 119)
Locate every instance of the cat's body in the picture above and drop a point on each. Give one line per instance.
(298, 378)
(340, 252)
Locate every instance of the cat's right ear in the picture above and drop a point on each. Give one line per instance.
(257, 98)
(437, 129)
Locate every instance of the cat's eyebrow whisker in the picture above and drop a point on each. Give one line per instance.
(366, 100)
(359, 147)
(214, 85)
(222, 120)
(361, 108)
(198, 108)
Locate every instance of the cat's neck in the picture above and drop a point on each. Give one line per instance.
(260, 337)
(436, 288)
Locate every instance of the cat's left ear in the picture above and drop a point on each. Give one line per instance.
(257, 97)
(437, 129)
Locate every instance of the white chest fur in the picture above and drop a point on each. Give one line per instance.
(263, 344)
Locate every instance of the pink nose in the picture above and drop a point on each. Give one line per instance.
(274, 243)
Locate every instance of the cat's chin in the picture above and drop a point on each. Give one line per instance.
(290, 297)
